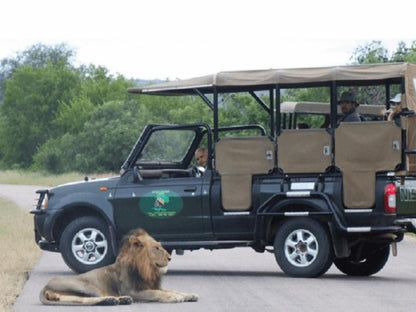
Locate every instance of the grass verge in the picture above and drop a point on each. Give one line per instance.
(18, 253)
(38, 178)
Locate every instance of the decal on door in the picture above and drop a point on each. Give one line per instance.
(161, 204)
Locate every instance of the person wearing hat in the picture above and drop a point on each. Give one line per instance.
(348, 105)
(395, 109)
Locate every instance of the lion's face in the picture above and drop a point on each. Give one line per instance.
(158, 256)
(145, 253)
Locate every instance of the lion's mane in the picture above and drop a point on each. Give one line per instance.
(134, 255)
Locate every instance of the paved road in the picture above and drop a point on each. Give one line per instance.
(242, 280)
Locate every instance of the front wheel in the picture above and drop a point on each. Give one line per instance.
(303, 248)
(85, 244)
(371, 260)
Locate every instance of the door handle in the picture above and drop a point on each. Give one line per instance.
(190, 189)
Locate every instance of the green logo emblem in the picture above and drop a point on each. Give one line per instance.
(161, 204)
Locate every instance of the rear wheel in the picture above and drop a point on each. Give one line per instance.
(371, 260)
(85, 244)
(302, 248)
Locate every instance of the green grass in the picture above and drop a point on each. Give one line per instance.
(18, 252)
(37, 178)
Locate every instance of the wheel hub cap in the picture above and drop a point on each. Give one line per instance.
(89, 246)
(301, 248)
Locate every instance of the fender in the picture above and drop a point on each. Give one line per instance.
(97, 202)
(318, 206)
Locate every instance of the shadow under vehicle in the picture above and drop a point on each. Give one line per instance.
(313, 196)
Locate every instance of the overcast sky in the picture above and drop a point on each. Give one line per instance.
(185, 38)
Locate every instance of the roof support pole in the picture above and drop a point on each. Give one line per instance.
(260, 101)
(215, 121)
(204, 98)
(278, 121)
(388, 97)
(333, 118)
(271, 113)
(334, 106)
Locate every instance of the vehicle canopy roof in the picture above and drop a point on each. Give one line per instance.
(234, 81)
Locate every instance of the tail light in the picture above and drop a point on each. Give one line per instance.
(390, 198)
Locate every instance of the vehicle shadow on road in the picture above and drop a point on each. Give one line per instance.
(226, 273)
(279, 274)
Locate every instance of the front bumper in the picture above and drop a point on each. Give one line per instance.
(45, 244)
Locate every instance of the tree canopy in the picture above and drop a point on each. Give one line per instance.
(57, 117)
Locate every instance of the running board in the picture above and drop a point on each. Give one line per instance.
(206, 244)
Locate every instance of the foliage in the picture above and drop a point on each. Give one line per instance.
(37, 56)
(370, 53)
(30, 103)
(241, 109)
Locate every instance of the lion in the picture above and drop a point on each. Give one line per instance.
(135, 276)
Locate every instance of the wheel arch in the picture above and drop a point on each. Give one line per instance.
(277, 213)
(72, 212)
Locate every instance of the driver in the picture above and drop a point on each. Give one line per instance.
(201, 157)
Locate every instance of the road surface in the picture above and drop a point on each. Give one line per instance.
(243, 280)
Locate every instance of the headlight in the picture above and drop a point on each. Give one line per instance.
(44, 203)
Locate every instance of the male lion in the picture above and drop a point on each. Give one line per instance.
(135, 276)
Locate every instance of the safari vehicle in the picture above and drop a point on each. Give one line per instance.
(314, 197)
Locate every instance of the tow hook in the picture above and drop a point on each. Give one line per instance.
(409, 224)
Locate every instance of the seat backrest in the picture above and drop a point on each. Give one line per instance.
(361, 150)
(237, 160)
(304, 151)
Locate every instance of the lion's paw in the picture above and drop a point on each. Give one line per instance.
(125, 300)
(191, 297)
(108, 301)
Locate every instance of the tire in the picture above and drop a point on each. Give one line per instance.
(86, 244)
(372, 261)
(303, 248)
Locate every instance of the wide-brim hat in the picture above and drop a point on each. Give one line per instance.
(347, 97)
(396, 99)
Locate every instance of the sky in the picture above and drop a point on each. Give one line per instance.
(178, 39)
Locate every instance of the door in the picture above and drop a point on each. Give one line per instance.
(160, 190)
(167, 208)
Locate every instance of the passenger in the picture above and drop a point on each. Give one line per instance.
(348, 105)
(395, 109)
(201, 157)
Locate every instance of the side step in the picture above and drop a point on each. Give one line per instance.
(193, 245)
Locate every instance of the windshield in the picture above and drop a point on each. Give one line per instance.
(167, 146)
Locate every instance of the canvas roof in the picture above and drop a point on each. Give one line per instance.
(260, 79)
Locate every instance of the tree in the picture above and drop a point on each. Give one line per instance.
(38, 55)
(101, 145)
(30, 103)
(370, 53)
(96, 88)
(405, 54)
